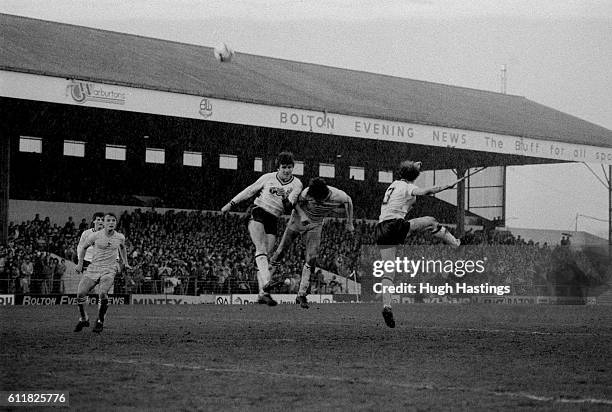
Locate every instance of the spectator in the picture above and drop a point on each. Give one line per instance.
(47, 274)
(5, 281)
(170, 285)
(69, 226)
(26, 272)
(334, 286)
(83, 226)
(58, 277)
(294, 283)
(320, 281)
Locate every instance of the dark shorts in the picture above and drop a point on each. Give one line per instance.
(268, 220)
(391, 232)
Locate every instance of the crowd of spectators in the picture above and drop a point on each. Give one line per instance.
(207, 252)
(23, 270)
(212, 253)
(28, 263)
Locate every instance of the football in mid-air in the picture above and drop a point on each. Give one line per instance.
(223, 53)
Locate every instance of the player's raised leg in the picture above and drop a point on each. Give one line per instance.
(436, 229)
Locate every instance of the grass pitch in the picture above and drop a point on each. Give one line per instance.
(331, 356)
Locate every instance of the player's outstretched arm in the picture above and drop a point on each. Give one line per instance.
(228, 207)
(250, 191)
(435, 189)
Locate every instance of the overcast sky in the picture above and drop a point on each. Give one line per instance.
(558, 53)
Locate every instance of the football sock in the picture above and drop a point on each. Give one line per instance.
(81, 303)
(103, 308)
(260, 283)
(447, 237)
(386, 296)
(305, 280)
(263, 276)
(83, 313)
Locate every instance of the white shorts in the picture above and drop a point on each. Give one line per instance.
(96, 273)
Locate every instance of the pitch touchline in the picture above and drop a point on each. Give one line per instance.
(420, 386)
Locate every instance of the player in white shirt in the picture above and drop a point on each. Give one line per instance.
(314, 204)
(393, 227)
(103, 268)
(277, 194)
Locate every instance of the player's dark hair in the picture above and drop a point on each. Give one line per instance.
(111, 214)
(318, 189)
(97, 215)
(408, 170)
(284, 158)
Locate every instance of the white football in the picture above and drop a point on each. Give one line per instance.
(224, 53)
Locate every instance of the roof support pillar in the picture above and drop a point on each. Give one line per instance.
(610, 211)
(4, 185)
(461, 203)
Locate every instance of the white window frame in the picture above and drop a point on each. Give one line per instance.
(155, 155)
(228, 161)
(298, 168)
(327, 170)
(192, 159)
(385, 176)
(115, 152)
(357, 173)
(30, 144)
(75, 148)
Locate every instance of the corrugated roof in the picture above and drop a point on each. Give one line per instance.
(57, 49)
